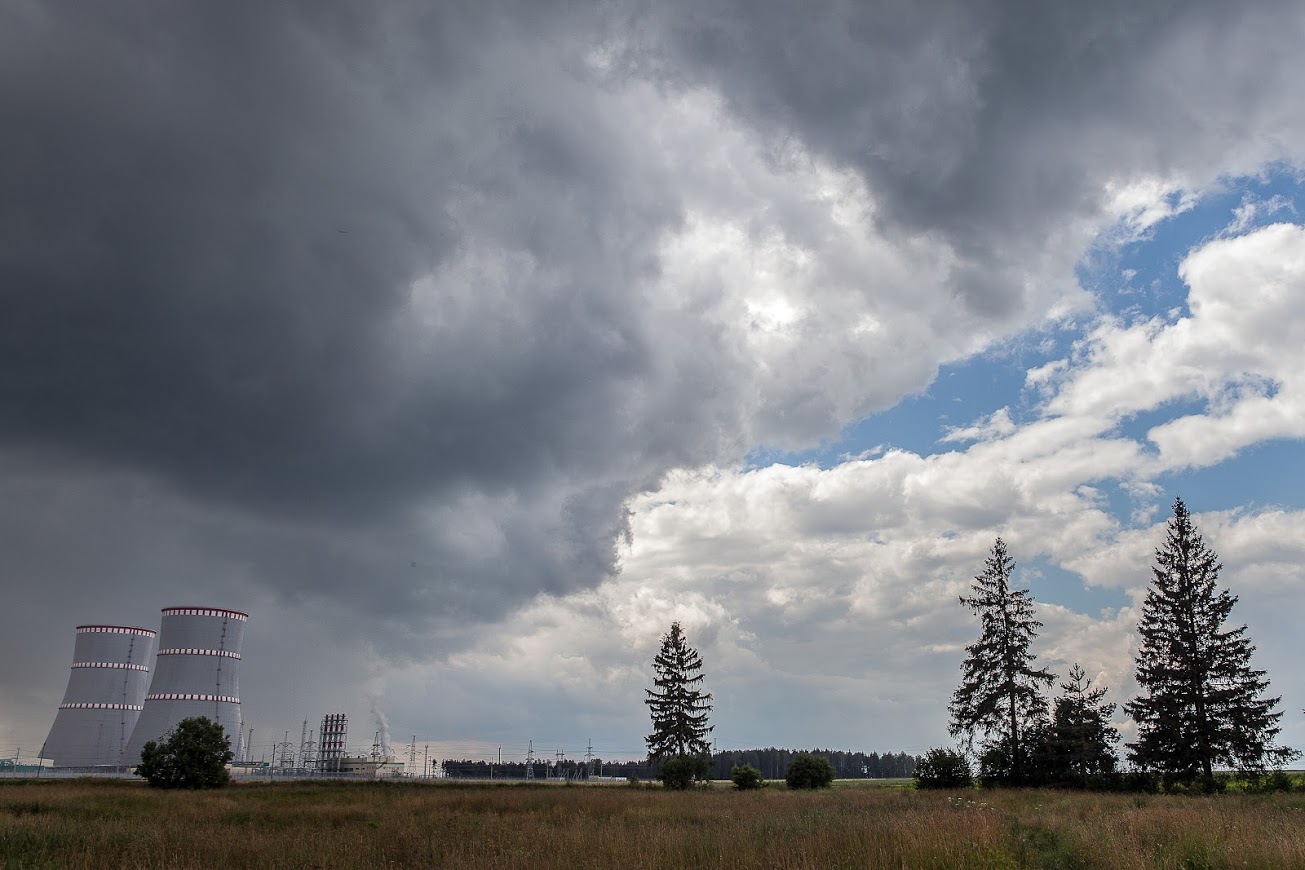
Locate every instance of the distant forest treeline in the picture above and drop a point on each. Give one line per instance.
(772, 762)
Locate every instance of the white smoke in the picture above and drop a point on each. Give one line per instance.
(383, 727)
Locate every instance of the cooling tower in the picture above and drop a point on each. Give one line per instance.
(105, 692)
(196, 673)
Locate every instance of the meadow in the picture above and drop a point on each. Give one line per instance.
(80, 823)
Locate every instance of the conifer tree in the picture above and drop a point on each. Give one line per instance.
(999, 697)
(1080, 740)
(677, 704)
(1202, 704)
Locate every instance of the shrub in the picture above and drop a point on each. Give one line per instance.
(746, 777)
(1279, 780)
(1198, 785)
(1113, 781)
(943, 768)
(679, 771)
(997, 767)
(1140, 781)
(194, 754)
(1261, 782)
(809, 771)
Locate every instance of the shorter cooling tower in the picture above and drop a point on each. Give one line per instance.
(196, 674)
(105, 696)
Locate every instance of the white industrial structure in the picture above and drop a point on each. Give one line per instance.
(196, 674)
(104, 698)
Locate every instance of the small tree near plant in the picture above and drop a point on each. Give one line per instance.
(1079, 744)
(194, 754)
(943, 768)
(808, 770)
(679, 771)
(746, 777)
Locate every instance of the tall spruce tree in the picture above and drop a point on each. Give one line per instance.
(999, 697)
(677, 704)
(1202, 704)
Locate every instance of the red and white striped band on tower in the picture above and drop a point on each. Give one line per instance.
(88, 705)
(205, 611)
(225, 653)
(126, 666)
(179, 696)
(115, 629)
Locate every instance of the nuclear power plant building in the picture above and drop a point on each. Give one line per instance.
(104, 698)
(196, 673)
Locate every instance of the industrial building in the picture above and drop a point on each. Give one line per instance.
(104, 698)
(196, 673)
(370, 766)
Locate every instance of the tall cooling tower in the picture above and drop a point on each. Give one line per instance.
(196, 674)
(106, 690)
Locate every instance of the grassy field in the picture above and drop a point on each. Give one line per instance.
(124, 824)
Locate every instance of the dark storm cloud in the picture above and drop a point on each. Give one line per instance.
(210, 222)
(183, 291)
(210, 230)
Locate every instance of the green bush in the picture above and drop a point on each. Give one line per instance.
(809, 771)
(1193, 785)
(1261, 782)
(746, 777)
(1278, 780)
(943, 768)
(679, 772)
(195, 754)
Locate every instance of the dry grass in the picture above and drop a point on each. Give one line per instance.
(124, 824)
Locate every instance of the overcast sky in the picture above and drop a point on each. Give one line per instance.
(467, 345)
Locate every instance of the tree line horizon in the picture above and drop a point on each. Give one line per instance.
(772, 761)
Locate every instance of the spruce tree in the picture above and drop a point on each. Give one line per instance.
(677, 704)
(999, 697)
(1080, 740)
(1202, 704)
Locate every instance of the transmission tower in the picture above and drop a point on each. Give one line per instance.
(284, 753)
(589, 759)
(307, 747)
(530, 761)
(412, 756)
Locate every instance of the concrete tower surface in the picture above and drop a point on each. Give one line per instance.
(104, 698)
(197, 673)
